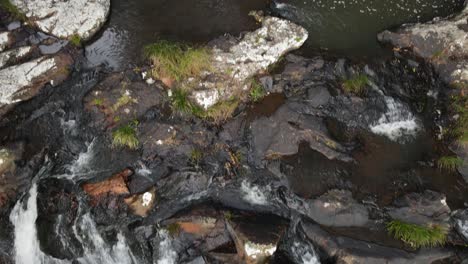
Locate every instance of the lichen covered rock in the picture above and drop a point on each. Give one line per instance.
(65, 19)
(234, 63)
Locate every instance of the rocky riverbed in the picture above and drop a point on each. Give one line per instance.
(314, 169)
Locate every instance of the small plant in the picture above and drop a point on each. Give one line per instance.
(418, 236)
(196, 156)
(98, 102)
(228, 215)
(123, 100)
(256, 91)
(12, 9)
(126, 136)
(173, 229)
(357, 84)
(177, 61)
(75, 39)
(449, 163)
(459, 107)
(220, 112)
(181, 102)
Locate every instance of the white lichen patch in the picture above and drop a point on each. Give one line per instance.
(13, 55)
(66, 18)
(14, 79)
(4, 38)
(253, 194)
(146, 199)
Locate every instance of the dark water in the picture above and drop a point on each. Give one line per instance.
(134, 24)
(385, 169)
(349, 27)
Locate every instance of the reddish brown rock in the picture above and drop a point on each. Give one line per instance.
(113, 186)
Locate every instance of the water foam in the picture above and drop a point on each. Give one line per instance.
(397, 122)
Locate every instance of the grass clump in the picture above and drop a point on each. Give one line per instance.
(180, 101)
(177, 61)
(449, 163)
(356, 84)
(256, 91)
(75, 39)
(220, 112)
(418, 236)
(98, 102)
(196, 155)
(126, 136)
(123, 100)
(12, 9)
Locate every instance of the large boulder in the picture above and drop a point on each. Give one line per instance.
(442, 42)
(65, 19)
(234, 62)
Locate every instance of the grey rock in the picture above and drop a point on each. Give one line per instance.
(421, 208)
(338, 208)
(460, 222)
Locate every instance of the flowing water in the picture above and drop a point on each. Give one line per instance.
(346, 27)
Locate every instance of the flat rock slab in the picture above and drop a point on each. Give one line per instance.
(232, 66)
(64, 19)
(442, 42)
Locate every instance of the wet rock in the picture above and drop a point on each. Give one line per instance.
(113, 186)
(141, 204)
(281, 134)
(119, 99)
(338, 208)
(233, 66)
(421, 208)
(7, 175)
(347, 250)
(460, 222)
(461, 149)
(442, 42)
(53, 17)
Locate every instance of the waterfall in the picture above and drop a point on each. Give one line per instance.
(167, 255)
(304, 253)
(26, 244)
(397, 122)
(96, 250)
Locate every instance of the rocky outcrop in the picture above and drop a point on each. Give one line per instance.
(24, 70)
(421, 208)
(280, 135)
(347, 250)
(442, 42)
(114, 186)
(54, 17)
(234, 62)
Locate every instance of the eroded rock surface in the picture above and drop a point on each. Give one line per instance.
(54, 17)
(442, 42)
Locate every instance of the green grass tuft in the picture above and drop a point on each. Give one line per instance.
(256, 91)
(75, 40)
(12, 9)
(220, 112)
(125, 137)
(356, 84)
(181, 102)
(449, 163)
(123, 100)
(177, 61)
(418, 236)
(98, 102)
(196, 155)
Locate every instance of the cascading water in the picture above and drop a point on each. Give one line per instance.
(96, 250)
(397, 122)
(26, 245)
